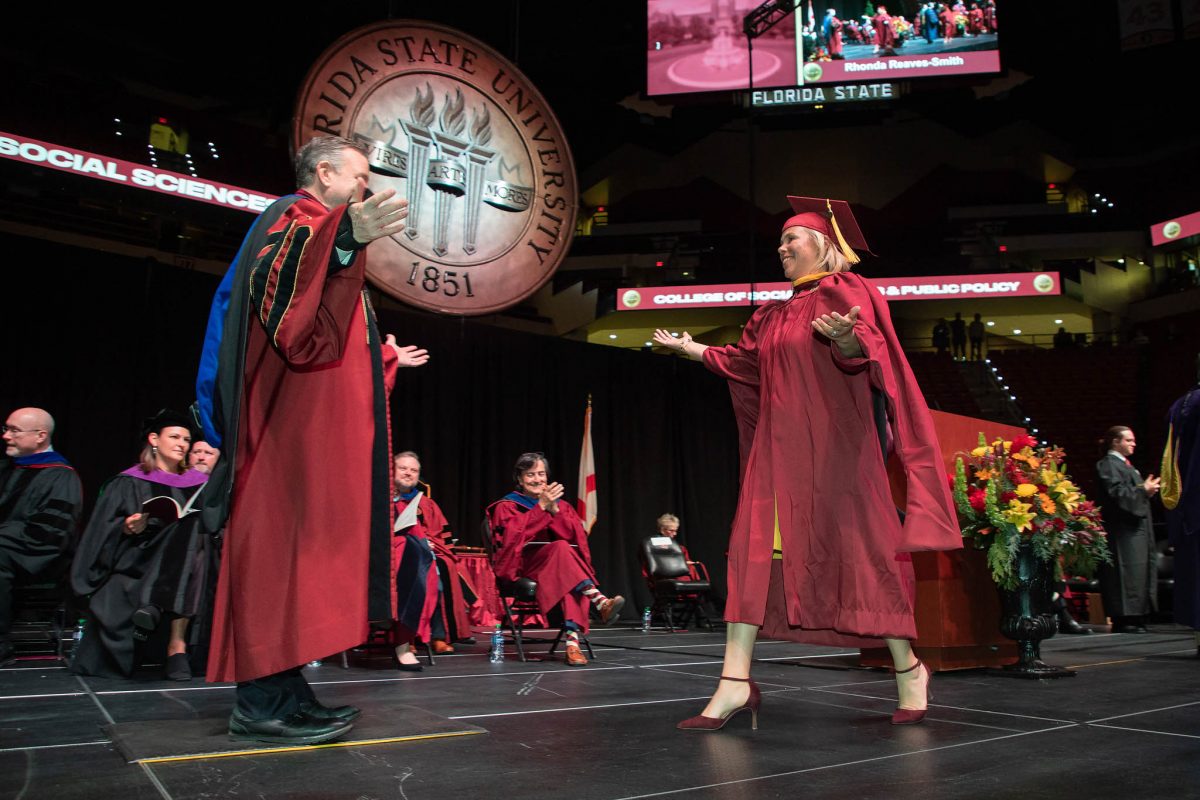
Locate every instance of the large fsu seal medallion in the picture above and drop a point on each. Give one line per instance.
(455, 128)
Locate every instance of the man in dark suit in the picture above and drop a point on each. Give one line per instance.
(1128, 584)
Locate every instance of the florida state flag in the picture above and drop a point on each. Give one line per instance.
(587, 473)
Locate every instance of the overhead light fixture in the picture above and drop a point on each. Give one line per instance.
(991, 324)
(649, 344)
(1017, 331)
(116, 120)
(1058, 322)
(1120, 261)
(612, 336)
(1093, 211)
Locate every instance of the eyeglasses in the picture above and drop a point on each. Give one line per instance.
(15, 430)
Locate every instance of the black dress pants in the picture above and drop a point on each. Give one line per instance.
(274, 696)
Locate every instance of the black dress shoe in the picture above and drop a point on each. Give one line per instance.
(145, 620)
(1128, 629)
(1067, 623)
(178, 668)
(298, 729)
(320, 712)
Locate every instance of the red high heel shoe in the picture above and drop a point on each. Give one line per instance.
(703, 723)
(911, 716)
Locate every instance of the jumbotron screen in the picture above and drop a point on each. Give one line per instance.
(699, 46)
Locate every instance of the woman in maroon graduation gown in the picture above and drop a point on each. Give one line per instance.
(823, 394)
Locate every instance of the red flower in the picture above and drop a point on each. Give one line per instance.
(1006, 497)
(1043, 488)
(977, 498)
(1019, 443)
(1058, 524)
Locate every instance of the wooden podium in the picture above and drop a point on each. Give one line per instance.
(958, 607)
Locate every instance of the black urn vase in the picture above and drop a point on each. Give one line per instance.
(1027, 617)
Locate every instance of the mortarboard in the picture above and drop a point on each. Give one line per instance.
(832, 218)
(166, 418)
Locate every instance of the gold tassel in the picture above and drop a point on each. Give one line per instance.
(850, 255)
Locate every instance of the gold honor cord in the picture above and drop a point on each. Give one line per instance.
(809, 278)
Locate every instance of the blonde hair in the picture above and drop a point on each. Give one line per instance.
(830, 257)
(665, 518)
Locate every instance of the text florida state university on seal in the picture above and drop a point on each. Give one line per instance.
(457, 130)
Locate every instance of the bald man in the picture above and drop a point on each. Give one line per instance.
(40, 501)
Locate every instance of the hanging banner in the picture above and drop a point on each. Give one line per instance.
(1175, 229)
(114, 170)
(939, 287)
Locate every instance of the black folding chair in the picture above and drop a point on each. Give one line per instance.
(667, 575)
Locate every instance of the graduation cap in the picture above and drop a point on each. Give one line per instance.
(832, 218)
(166, 418)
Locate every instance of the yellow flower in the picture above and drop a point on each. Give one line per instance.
(1018, 515)
(1067, 497)
(1050, 477)
(1026, 490)
(1064, 486)
(980, 452)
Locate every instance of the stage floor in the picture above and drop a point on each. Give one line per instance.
(1127, 725)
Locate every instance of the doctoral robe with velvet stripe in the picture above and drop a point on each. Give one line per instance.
(810, 447)
(307, 558)
(1181, 498)
(40, 504)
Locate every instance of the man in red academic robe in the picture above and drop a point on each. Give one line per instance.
(537, 537)
(975, 22)
(833, 34)
(949, 23)
(885, 34)
(293, 386)
(429, 599)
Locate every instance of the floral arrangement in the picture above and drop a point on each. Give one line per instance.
(1009, 493)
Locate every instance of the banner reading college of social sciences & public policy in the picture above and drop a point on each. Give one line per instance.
(938, 287)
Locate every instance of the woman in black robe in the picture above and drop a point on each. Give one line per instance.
(141, 567)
